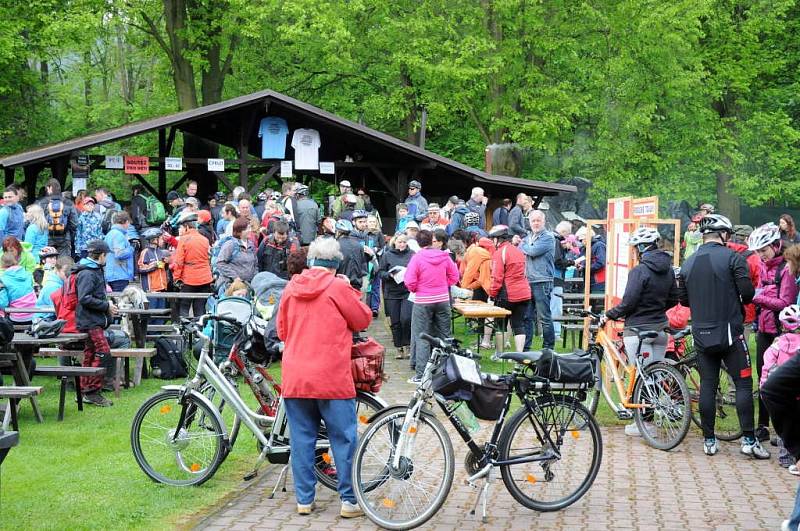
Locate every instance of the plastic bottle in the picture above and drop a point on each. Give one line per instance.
(462, 411)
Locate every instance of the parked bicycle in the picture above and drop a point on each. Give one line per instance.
(655, 396)
(179, 437)
(548, 451)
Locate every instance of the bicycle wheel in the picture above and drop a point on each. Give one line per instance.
(409, 495)
(324, 464)
(562, 428)
(193, 456)
(726, 423)
(665, 420)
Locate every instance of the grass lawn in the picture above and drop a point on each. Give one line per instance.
(81, 474)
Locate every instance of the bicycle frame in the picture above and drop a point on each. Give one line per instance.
(614, 360)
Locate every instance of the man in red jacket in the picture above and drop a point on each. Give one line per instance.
(317, 382)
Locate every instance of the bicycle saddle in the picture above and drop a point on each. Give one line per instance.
(525, 358)
(645, 334)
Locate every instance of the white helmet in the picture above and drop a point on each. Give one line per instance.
(644, 235)
(715, 223)
(790, 317)
(764, 235)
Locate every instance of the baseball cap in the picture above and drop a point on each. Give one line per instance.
(173, 195)
(345, 183)
(192, 201)
(433, 207)
(89, 199)
(97, 247)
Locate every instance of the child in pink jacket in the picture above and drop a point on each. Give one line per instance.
(783, 349)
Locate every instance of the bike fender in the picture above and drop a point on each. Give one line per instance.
(425, 411)
(206, 401)
(384, 404)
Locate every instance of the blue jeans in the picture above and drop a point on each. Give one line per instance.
(375, 294)
(118, 286)
(541, 293)
(794, 518)
(557, 307)
(304, 415)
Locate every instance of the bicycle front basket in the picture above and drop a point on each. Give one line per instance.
(450, 379)
(488, 398)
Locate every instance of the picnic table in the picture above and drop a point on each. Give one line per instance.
(140, 318)
(476, 310)
(23, 348)
(37, 309)
(8, 439)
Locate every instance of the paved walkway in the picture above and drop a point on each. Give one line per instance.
(637, 488)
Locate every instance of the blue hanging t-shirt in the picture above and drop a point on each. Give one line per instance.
(273, 131)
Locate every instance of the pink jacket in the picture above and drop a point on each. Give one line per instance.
(429, 276)
(782, 350)
(769, 300)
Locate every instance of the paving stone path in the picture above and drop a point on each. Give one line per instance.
(637, 488)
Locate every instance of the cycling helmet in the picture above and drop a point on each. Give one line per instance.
(415, 184)
(344, 225)
(498, 231)
(329, 226)
(44, 329)
(644, 236)
(790, 317)
(472, 218)
(708, 207)
(715, 223)
(359, 214)
(764, 235)
(151, 234)
(275, 196)
(47, 252)
(301, 189)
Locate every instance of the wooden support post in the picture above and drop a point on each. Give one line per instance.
(162, 170)
(245, 126)
(147, 185)
(262, 180)
(221, 176)
(389, 186)
(170, 141)
(9, 175)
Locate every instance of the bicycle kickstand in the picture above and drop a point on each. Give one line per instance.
(483, 495)
(284, 474)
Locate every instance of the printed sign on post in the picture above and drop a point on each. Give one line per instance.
(646, 207)
(286, 168)
(140, 165)
(327, 168)
(114, 162)
(173, 163)
(216, 164)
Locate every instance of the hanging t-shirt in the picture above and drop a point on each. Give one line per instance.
(273, 131)
(306, 149)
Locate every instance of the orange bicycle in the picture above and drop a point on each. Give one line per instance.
(655, 396)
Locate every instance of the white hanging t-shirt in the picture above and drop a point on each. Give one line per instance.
(306, 145)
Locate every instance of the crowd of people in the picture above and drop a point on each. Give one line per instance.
(348, 265)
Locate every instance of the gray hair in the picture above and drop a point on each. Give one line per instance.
(564, 227)
(536, 213)
(456, 246)
(239, 190)
(325, 249)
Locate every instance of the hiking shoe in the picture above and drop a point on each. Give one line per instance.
(632, 430)
(754, 449)
(710, 446)
(762, 433)
(775, 441)
(414, 380)
(305, 508)
(97, 399)
(350, 510)
(374, 313)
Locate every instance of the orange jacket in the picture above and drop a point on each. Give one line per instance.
(191, 263)
(477, 268)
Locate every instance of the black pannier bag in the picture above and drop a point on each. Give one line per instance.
(575, 368)
(488, 398)
(455, 378)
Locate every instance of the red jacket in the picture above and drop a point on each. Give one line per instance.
(508, 267)
(317, 316)
(754, 267)
(62, 312)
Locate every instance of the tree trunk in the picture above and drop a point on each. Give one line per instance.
(728, 204)
(182, 69)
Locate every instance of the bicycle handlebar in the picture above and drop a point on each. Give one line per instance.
(433, 340)
(583, 313)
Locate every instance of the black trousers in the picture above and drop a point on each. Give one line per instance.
(198, 306)
(781, 394)
(399, 313)
(763, 341)
(737, 362)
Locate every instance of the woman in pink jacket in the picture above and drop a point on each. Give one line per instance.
(776, 290)
(429, 276)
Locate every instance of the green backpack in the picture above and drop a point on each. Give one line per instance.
(155, 211)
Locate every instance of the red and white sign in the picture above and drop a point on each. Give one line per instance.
(618, 252)
(140, 165)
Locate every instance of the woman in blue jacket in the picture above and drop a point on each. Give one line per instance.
(37, 232)
(119, 268)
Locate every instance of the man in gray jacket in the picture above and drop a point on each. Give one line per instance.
(539, 249)
(517, 218)
(307, 216)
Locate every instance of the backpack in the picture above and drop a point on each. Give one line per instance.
(169, 358)
(55, 217)
(156, 214)
(218, 247)
(108, 216)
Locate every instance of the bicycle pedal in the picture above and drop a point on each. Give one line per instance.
(625, 415)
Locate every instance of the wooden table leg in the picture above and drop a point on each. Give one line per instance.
(22, 379)
(62, 397)
(117, 376)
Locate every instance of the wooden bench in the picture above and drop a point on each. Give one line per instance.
(120, 354)
(64, 373)
(14, 394)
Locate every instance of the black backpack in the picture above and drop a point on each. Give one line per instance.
(169, 358)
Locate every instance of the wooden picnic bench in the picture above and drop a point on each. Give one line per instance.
(64, 373)
(139, 354)
(14, 394)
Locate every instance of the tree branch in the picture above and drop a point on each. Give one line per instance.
(153, 30)
(481, 129)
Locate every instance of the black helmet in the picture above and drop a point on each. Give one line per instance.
(151, 234)
(97, 247)
(44, 329)
(715, 223)
(500, 231)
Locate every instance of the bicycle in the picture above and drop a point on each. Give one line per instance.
(548, 451)
(726, 425)
(179, 437)
(655, 396)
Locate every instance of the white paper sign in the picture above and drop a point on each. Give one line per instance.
(327, 168)
(78, 184)
(216, 164)
(467, 369)
(114, 162)
(173, 163)
(286, 168)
